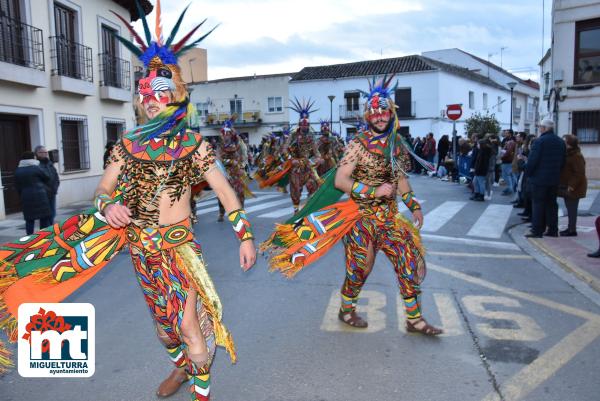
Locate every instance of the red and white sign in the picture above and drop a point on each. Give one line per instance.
(454, 111)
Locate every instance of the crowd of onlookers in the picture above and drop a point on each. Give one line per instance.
(533, 170)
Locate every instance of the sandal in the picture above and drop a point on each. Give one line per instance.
(352, 319)
(427, 329)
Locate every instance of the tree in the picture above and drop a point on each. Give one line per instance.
(482, 124)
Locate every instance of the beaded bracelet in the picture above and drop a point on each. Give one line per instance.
(410, 201)
(361, 190)
(103, 200)
(241, 225)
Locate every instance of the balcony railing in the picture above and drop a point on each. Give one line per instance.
(246, 117)
(21, 44)
(71, 59)
(352, 112)
(114, 71)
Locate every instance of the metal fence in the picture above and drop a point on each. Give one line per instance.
(114, 71)
(71, 59)
(21, 44)
(586, 126)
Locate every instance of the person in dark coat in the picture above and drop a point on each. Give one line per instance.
(443, 147)
(481, 167)
(573, 183)
(41, 154)
(32, 184)
(544, 164)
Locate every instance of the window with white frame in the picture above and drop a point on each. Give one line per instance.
(275, 104)
(499, 104)
(202, 109)
(74, 141)
(471, 99)
(235, 106)
(114, 129)
(546, 84)
(485, 101)
(530, 109)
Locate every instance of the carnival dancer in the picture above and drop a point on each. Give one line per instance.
(304, 156)
(275, 163)
(371, 172)
(234, 156)
(143, 200)
(327, 146)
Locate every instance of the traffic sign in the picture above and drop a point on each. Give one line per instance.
(454, 111)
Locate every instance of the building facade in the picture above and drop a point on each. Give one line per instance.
(572, 72)
(425, 88)
(65, 83)
(526, 96)
(259, 103)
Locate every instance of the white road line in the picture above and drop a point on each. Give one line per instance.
(472, 242)
(492, 222)
(286, 211)
(205, 210)
(403, 207)
(442, 214)
(586, 203)
(267, 205)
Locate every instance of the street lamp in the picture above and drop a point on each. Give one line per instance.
(191, 70)
(331, 97)
(511, 85)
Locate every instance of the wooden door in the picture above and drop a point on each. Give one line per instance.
(14, 140)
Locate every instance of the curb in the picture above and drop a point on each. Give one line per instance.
(583, 282)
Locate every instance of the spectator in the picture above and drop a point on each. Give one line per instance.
(525, 185)
(481, 168)
(418, 147)
(442, 148)
(518, 167)
(41, 154)
(597, 253)
(507, 155)
(546, 160)
(573, 183)
(429, 148)
(107, 150)
(32, 184)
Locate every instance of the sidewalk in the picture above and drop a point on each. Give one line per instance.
(570, 253)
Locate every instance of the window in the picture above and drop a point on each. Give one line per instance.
(586, 126)
(235, 106)
(471, 99)
(546, 84)
(403, 101)
(74, 143)
(352, 101)
(114, 129)
(499, 104)
(530, 111)
(587, 51)
(202, 109)
(350, 132)
(275, 104)
(485, 101)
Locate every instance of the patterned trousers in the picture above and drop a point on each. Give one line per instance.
(166, 290)
(301, 175)
(382, 228)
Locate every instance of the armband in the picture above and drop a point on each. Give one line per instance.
(241, 225)
(410, 201)
(103, 200)
(361, 190)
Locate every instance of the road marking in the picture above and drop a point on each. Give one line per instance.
(472, 242)
(492, 222)
(588, 201)
(451, 322)
(442, 214)
(527, 329)
(205, 210)
(547, 364)
(286, 211)
(372, 312)
(480, 255)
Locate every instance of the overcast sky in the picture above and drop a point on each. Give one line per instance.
(270, 36)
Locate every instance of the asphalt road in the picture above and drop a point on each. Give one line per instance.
(514, 330)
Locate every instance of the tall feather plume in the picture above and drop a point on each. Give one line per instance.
(132, 48)
(135, 35)
(142, 15)
(158, 24)
(181, 43)
(176, 27)
(195, 42)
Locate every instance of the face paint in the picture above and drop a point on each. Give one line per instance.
(154, 86)
(384, 115)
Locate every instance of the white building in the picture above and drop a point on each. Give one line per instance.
(65, 83)
(572, 72)
(259, 102)
(425, 88)
(525, 92)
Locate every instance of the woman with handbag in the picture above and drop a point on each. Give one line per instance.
(573, 183)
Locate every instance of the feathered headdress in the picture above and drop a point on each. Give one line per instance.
(304, 107)
(380, 94)
(325, 124)
(162, 73)
(228, 124)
